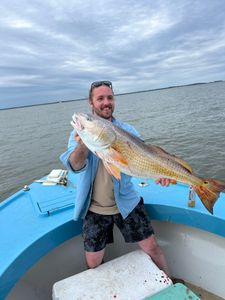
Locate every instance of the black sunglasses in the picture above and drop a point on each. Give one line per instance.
(96, 84)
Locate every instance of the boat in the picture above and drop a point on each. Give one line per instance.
(41, 243)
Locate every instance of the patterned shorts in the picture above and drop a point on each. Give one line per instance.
(98, 229)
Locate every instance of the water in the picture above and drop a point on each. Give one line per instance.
(186, 121)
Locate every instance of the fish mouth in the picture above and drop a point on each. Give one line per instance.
(76, 123)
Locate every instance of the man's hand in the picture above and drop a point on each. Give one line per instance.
(165, 181)
(80, 144)
(77, 138)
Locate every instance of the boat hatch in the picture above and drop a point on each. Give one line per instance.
(55, 204)
(51, 199)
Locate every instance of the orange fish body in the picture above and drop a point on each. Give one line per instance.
(120, 151)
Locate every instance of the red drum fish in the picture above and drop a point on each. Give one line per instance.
(123, 152)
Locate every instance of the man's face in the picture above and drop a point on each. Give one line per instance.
(103, 102)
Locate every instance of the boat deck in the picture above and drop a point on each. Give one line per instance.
(201, 293)
(32, 223)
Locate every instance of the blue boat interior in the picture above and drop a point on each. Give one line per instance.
(36, 220)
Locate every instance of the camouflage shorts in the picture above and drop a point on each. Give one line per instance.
(98, 229)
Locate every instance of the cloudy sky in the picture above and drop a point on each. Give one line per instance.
(52, 50)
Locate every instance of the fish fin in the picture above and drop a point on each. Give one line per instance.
(179, 160)
(209, 192)
(183, 163)
(112, 170)
(118, 156)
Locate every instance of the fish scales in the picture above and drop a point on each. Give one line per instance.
(121, 151)
(144, 162)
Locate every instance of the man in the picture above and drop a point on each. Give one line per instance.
(101, 199)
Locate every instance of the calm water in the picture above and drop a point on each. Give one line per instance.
(186, 121)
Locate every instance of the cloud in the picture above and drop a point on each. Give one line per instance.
(53, 50)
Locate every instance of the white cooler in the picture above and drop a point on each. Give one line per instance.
(132, 276)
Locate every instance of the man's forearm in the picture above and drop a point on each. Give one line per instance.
(78, 157)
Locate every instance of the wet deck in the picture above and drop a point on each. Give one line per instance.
(202, 294)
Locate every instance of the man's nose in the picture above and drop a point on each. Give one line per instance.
(106, 100)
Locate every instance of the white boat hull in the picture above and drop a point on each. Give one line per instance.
(196, 256)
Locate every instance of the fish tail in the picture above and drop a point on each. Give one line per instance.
(209, 191)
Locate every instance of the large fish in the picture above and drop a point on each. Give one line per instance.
(121, 151)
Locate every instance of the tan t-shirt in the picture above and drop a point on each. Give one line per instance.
(103, 200)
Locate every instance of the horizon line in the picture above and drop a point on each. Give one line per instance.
(119, 94)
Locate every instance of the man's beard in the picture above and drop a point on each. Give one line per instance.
(100, 112)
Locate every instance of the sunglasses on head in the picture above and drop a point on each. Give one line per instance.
(96, 84)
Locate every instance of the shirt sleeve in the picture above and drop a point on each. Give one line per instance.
(131, 129)
(64, 157)
(134, 131)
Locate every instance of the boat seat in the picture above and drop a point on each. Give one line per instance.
(132, 276)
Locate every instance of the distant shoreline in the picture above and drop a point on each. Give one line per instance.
(170, 87)
(120, 94)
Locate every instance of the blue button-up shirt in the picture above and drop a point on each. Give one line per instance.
(126, 196)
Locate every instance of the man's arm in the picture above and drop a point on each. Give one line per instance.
(78, 157)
